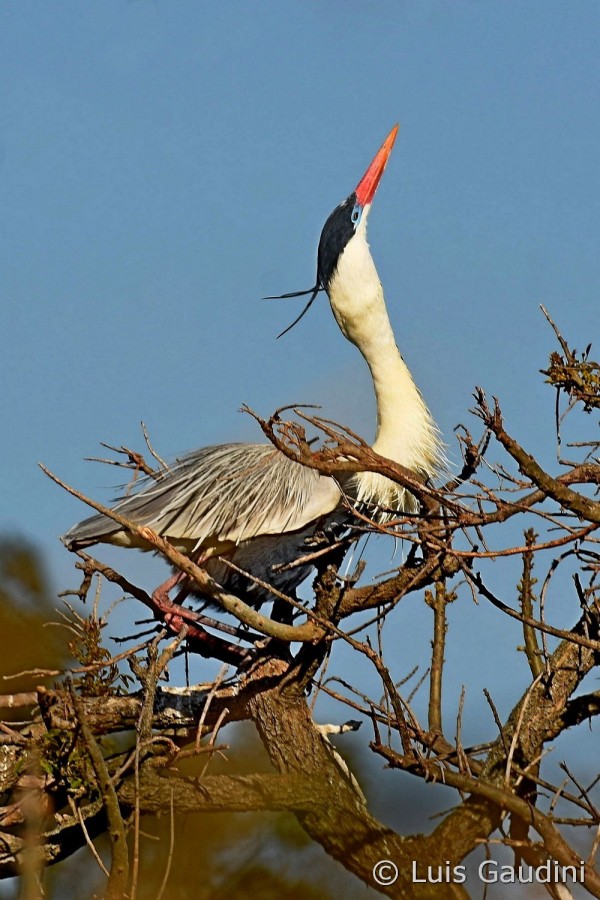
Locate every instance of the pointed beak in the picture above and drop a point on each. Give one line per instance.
(367, 186)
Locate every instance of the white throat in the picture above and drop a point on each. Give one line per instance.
(406, 431)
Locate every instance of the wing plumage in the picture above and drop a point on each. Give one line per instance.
(227, 493)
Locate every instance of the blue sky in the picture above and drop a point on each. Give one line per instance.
(163, 166)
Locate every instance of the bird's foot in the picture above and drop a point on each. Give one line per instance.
(177, 617)
(160, 596)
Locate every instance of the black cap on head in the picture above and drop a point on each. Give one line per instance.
(337, 231)
(341, 226)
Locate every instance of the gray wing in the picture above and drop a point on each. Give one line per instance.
(225, 493)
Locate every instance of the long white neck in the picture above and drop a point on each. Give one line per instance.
(406, 431)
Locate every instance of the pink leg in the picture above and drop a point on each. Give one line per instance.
(161, 594)
(176, 616)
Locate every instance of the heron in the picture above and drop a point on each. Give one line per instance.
(248, 503)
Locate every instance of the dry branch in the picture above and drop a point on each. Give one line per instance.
(504, 776)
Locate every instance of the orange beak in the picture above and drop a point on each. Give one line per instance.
(370, 180)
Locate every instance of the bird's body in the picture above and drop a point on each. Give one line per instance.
(247, 503)
(251, 505)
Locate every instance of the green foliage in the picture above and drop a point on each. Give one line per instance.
(88, 651)
(577, 376)
(61, 758)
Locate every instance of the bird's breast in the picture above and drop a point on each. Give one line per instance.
(381, 496)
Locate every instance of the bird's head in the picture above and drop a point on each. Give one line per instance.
(349, 219)
(345, 228)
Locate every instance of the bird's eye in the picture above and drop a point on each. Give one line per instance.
(356, 214)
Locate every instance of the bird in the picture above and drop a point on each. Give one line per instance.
(248, 503)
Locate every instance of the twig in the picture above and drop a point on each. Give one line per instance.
(117, 880)
(209, 698)
(583, 507)
(163, 884)
(158, 458)
(77, 812)
(212, 740)
(497, 719)
(437, 603)
(532, 649)
(571, 636)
